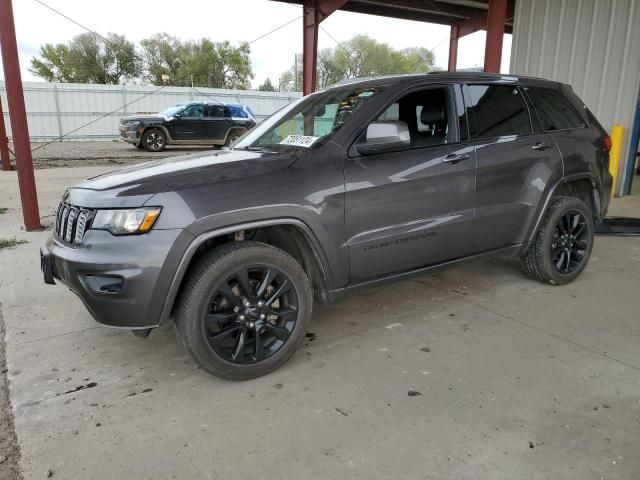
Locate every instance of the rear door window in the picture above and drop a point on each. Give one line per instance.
(554, 109)
(216, 111)
(496, 111)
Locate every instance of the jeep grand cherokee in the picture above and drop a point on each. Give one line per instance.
(362, 183)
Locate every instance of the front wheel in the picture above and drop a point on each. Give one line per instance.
(244, 310)
(562, 246)
(154, 140)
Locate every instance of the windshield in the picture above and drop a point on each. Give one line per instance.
(171, 111)
(307, 121)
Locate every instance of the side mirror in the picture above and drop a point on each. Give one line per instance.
(384, 137)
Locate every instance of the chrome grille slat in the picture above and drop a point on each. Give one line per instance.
(72, 223)
(81, 225)
(63, 225)
(68, 233)
(59, 218)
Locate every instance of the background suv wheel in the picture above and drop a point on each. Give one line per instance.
(154, 140)
(244, 310)
(562, 246)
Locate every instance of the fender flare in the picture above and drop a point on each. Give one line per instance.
(237, 127)
(159, 127)
(187, 256)
(562, 181)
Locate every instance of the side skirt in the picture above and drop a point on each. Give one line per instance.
(506, 252)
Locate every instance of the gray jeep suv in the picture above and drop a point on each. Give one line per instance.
(362, 183)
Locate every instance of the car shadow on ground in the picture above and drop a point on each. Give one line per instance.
(353, 316)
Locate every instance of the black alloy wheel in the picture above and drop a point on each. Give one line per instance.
(561, 247)
(251, 314)
(244, 310)
(569, 242)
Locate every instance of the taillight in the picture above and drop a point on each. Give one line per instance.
(607, 143)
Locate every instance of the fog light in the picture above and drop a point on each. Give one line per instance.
(104, 283)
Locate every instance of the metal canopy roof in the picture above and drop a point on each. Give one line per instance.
(443, 12)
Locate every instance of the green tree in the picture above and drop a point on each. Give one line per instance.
(363, 56)
(88, 59)
(202, 63)
(267, 86)
(54, 64)
(163, 55)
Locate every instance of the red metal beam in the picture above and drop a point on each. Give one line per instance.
(18, 115)
(453, 48)
(496, 17)
(4, 143)
(309, 46)
(473, 24)
(314, 12)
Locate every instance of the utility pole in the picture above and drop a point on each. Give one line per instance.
(295, 73)
(18, 114)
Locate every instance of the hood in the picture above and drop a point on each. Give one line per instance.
(144, 118)
(136, 184)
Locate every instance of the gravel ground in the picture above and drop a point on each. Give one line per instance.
(73, 154)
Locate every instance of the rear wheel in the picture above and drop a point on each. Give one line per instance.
(563, 244)
(154, 140)
(232, 137)
(245, 310)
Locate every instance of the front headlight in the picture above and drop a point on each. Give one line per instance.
(133, 123)
(125, 222)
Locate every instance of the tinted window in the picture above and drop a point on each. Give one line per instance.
(215, 110)
(193, 111)
(554, 109)
(426, 114)
(498, 110)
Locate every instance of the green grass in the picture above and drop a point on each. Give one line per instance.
(10, 242)
(3, 210)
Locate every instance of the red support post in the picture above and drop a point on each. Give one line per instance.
(453, 47)
(314, 12)
(18, 115)
(496, 17)
(4, 143)
(309, 46)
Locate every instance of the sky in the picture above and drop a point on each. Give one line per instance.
(233, 20)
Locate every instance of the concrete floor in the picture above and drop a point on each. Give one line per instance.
(517, 380)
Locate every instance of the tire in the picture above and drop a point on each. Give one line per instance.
(220, 330)
(154, 140)
(563, 243)
(232, 137)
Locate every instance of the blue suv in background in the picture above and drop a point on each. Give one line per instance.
(188, 123)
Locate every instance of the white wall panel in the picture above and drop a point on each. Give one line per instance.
(54, 109)
(593, 45)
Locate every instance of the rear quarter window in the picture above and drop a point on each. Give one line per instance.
(554, 109)
(496, 111)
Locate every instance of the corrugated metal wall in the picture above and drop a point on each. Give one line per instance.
(54, 109)
(593, 45)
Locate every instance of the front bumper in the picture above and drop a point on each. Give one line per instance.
(130, 134)
(122, 280)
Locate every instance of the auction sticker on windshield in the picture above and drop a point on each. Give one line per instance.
(299, 140)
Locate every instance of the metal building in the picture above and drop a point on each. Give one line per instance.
(593, 45)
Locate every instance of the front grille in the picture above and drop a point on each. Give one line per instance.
(72, 222)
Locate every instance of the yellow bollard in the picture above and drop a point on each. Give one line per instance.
(617, 133)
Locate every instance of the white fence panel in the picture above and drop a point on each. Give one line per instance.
(56, 109)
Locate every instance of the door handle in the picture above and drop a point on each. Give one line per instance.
(541, 146)
(455, 157)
